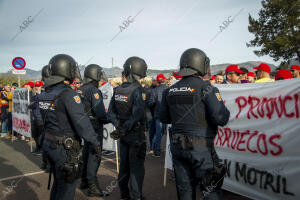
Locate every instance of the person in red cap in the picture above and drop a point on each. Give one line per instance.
(251, 77)
(176, 76)
(295, 69)
(212, 79)
(38, 86)
(263, 73)
(283, 74)
(233, 73)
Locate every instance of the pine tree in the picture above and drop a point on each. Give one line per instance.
(277, 31)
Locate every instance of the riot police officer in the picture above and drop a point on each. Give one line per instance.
(195, 109)
(92, 99)
(65, 123)
(127, 113)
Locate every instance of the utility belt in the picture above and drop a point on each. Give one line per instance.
(187, 142)
(72, 168)
(67, 141)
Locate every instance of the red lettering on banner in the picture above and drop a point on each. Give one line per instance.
(242, 141)
(273, 137)
(248, 142)
(219, 138)
(252, 106)
(21, 124)
(262, 143)
(227, 136)
(263, 138)
(268, 107)
(240, 105)
(236, 138)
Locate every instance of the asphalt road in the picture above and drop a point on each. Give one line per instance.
(21, 177)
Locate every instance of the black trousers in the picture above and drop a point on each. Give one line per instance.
(61, 190)
(190, 166)
(91, 163)
(37, 128)
(132, 170)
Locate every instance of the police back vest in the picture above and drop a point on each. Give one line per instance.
(187, 109)
(53, 112)
(123, 100)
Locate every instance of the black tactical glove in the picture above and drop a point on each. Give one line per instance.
(115, 134)
(118, 133)
(98, 152)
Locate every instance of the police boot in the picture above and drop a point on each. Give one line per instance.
(84, 184)
(95, 191)
(125, 196)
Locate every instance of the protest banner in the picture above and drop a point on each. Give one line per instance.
(20, 112)
(108, 142)
(260, 144)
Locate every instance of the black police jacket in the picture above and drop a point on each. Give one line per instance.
(92, 100)
(64, 114)
(193, 107)
(127, 106)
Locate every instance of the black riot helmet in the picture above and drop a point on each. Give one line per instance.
(193, 61)
(64, 66)
(135, 67)
(45, 72)
(93, 72)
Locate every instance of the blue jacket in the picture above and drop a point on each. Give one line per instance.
(156, 98)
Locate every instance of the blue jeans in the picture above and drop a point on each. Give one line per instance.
(157, 136)
(151, 132)
(4, 125)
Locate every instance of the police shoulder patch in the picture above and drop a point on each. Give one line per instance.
(218, 95)
(96, 95)
(77, 99)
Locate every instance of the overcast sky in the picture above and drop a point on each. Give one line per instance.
(160, 32)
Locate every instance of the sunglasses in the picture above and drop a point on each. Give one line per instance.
(77, 82)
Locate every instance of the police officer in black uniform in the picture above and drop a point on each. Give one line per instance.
(65, 124)
(195, 109)
(92, 99)
(127, 113)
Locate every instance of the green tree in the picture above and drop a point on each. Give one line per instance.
(277, 31)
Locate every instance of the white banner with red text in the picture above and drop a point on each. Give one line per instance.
(20, 112)
(260, 144)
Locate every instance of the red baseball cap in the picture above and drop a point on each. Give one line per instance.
(295, 67)
(263, 67)
(31, 84)
(23, 85)
(213, 77)
(38, 84)
(160, 77)
(251, 74)
(176, 76)
(103, 83)
(234, 68)
(284, 73)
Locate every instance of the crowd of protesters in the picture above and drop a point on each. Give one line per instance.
(233, 74)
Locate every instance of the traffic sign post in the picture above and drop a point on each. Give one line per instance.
(19, 64)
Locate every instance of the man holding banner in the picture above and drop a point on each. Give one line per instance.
(195, 109)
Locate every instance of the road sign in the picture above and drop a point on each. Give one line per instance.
(14, 71)
(18, 63)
